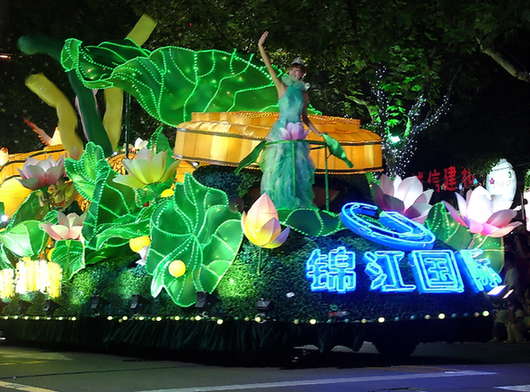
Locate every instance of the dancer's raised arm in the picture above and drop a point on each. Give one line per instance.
(279, 85)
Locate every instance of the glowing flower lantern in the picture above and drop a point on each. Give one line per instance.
(68, 227)
(261, 224)
(7, 283)
(480, 212)
(4, 156)
(147, 168)
(404, 196)
(55, 274)
(37, 174)
(38, 275)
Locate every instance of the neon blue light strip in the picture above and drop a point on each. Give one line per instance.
(396, 230)
(334, 272)
(477, 270)
(383, 269)
(436, 271)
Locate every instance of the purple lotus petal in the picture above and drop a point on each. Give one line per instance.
(476, 227)
(462, 204)
(30, 183)
(479, 205)
(425, 197)
(421, 219)
(418, 209)
(501, 218)
(501, 232)
(408, 190)
(454, 214)
(393, 204)
(279, 240)
(387, 186)
(378, 196)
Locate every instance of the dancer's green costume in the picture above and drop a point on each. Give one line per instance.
(288, 173)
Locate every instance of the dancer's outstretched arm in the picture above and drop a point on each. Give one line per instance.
(279, 85)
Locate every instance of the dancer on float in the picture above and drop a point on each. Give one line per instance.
(288, 173)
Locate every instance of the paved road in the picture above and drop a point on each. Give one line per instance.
(432, 368)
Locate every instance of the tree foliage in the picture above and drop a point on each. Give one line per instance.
(422, 44)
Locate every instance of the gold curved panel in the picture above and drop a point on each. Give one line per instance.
(225, 138)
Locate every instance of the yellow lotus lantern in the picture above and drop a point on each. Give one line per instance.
(147, 168)
(262, 226)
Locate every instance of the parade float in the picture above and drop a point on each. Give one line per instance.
(171, 247)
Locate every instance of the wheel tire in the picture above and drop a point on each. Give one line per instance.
(395, 348)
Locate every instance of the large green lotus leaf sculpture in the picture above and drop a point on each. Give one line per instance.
(172, 82)
(197, 227)
(83, 172)
(453, 234)
(311, 222)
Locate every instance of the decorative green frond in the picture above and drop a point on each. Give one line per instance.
(112, 205)
(197, 227)
(70, 255)
(159, 141)
(83, 172)
(446, 229)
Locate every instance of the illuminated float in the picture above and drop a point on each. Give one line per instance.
(178, 259)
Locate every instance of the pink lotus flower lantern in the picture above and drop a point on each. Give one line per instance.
(293, 131)
(36, 174)
(404, 196)
(480, 212)
(68, 227)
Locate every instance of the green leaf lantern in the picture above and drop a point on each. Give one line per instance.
(70, 255)
(195, 227)
(25, 239)
(311, 222)
(83, 172)
(171, 82)
(112, 205)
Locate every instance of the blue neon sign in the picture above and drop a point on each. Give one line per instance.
(382, 267)
(394, 230)
(434, 271)
(334, 272)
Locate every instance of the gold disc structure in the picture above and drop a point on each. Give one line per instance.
(225, 138)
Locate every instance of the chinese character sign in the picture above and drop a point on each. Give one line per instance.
(333, 272)
(434, 271)
(447, 179)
